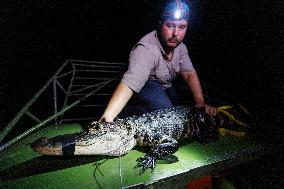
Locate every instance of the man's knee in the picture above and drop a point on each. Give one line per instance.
(153, 96)
(161, 103)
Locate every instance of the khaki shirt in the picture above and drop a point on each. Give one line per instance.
(148, 61)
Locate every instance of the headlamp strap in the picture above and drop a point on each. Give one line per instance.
(178, 4)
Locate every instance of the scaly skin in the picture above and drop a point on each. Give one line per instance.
(160, 130)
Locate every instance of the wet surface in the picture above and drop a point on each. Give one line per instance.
(21, 167)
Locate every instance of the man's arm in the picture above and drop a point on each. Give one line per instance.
(193, 84)
(120, 97)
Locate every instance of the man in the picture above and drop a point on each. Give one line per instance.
(154, 62)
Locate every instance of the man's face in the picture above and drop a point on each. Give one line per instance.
(173, 32)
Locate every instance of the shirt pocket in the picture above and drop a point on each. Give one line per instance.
(176, 66)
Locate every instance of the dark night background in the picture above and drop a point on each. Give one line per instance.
(235, 46)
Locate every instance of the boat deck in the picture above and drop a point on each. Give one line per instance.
(21, 167)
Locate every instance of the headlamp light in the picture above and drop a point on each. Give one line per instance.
(177, 14)
(176, 10)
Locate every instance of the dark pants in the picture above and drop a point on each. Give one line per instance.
(151, 97)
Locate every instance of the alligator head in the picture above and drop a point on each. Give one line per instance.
(100, 139)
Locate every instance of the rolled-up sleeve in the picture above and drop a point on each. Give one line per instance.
(186, 64)
(139, 68)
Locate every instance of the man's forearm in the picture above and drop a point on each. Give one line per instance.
(120, 97)
(193, 84)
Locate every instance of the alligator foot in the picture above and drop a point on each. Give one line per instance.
(146, 162)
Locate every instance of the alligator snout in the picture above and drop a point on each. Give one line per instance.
(39, 142)
(42, 146)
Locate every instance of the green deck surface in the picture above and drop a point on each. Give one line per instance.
(20, 167)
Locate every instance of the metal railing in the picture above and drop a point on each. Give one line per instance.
(73, 83)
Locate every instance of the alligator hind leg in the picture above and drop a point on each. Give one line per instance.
(164, 147)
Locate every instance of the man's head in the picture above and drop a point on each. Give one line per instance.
(174, 23)
(175, 10)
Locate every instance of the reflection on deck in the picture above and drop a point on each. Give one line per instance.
(23, 168)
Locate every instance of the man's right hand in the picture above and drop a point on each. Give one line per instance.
(209, 109)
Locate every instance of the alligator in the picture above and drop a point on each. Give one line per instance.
(161, 131)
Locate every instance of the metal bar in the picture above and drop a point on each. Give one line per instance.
(61, 87)
(19, 137)
(94, 62)
(102, 94)
(79, 119)
(69, 87)
(110, 86)
(55, 97)
(13, 122)
(99, 66)
(82, 89)
(99, 71)
(78, 85)
(33, 117)
(63, 75)
(90, 78)
(92, 105)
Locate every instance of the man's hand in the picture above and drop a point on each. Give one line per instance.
(106, 118)
(209, 109)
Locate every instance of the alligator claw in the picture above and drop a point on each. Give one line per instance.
(146, 162)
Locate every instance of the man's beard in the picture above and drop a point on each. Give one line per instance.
(173, 42)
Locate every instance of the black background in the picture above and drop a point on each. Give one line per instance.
(235, 46)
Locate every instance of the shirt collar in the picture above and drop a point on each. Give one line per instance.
(160, 46)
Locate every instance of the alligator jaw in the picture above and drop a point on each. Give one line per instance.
(75, 144)
(40, 146)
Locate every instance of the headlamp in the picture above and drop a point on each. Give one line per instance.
(176, 10)
(177, 14)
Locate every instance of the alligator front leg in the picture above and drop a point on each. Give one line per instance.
(164, 146)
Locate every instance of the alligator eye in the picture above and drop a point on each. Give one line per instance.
(39, 141)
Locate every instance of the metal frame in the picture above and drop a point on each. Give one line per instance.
(77, 75)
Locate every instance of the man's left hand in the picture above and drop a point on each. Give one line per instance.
(209, 109)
